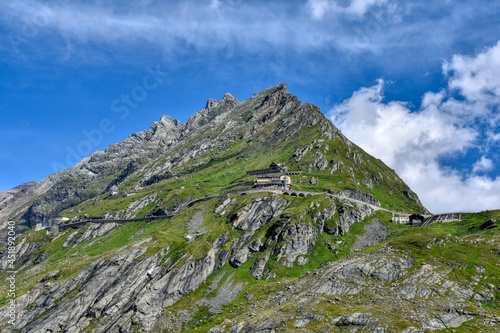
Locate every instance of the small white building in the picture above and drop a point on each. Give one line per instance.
(114, 190)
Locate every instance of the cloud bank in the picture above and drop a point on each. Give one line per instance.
(460, 120)
(354, 26)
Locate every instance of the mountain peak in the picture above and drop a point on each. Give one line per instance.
(169, 121)
(270, 122)
(280, 88)
(229, 97)
(227, 100)
(211, 104)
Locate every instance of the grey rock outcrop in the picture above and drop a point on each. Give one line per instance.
(89, 232)
(172, 287)
(294, 239)
(258, 213)
(306, 317)
(257, 268)
(240, 257)
(226, 293)
(23, 252)
(361, 196)
(356, 319)
(100, 287)
(14, 198)
(448, 320)
(375, 233)
(349, 214)
(374, 280)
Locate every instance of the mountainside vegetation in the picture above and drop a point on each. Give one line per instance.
(242, 260)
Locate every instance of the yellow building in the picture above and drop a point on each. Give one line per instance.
(283, 180)
(401, 219)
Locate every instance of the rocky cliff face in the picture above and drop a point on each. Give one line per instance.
(126, 288)
(387, 289)
(13, 202)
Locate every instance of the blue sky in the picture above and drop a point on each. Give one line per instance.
(415, 84)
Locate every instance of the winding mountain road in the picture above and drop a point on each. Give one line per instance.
(81, 223)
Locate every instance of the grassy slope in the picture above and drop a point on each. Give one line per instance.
(468, 247)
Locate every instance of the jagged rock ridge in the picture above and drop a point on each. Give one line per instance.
(168, 146)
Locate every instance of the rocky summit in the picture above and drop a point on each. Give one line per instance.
(253, 216)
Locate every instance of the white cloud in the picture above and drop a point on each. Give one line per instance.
(414, 142)
(476, 78)
(493, 137)
(215, 4)
(443, 190)
(394, 133)
(320, 8)
(360, 7)
(484, 164)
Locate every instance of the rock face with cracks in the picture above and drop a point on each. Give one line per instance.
(125, 288)
(399, 294)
